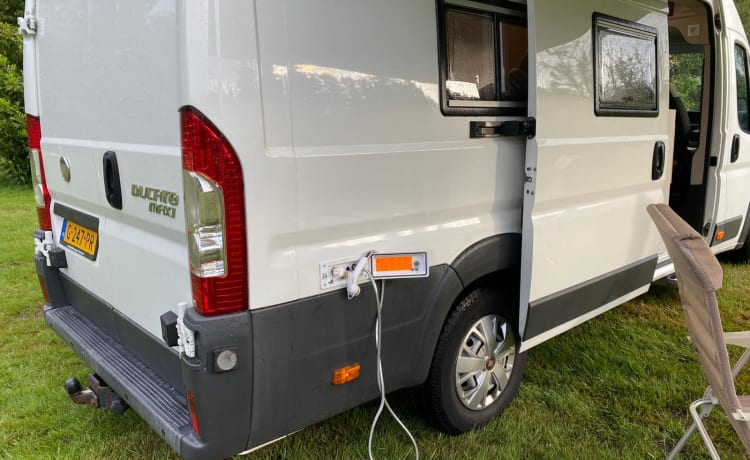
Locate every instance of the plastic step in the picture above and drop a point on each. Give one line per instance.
(162, 406)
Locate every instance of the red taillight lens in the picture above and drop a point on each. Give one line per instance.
(215, 217)
(193, 414)
(38, 180)
(43, 285)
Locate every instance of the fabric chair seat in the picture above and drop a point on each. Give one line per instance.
(699, 276)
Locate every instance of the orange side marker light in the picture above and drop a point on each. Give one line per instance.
(720, 235)
(346, 374)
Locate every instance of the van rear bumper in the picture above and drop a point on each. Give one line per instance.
(153, 378)
(162, 406)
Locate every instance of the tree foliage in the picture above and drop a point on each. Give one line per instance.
(14, 164)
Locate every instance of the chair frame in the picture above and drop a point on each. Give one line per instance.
(699, 276)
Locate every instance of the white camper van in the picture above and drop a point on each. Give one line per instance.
(213, 176)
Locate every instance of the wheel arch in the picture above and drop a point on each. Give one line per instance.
(493, 261)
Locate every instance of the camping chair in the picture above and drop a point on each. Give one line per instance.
(699, 276)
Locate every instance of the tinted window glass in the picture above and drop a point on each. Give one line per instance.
(515, 74)
(483, 59)
(740, 58)
(471, 56)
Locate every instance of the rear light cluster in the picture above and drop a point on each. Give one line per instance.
(215, 217)
(39, 182)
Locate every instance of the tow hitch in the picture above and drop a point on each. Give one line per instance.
(98, 394)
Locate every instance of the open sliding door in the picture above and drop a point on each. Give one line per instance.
(599, 94)
(729, 173)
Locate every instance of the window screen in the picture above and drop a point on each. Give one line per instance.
(626, 68)
(484, 64)
(471, 56)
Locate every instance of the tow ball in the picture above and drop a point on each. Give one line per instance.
(98, 394)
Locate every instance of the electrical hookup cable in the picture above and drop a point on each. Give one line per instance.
(379, 295)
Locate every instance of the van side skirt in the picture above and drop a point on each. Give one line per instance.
(559, 308)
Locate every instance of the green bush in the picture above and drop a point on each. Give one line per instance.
(11, 44)
(14, 164)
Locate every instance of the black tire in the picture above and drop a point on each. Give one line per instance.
(742, 254)
(440, 392)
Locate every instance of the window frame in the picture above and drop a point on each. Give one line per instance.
(622, 26)
(746, 61)
(501, 11)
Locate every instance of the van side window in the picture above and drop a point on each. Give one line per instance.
(626, 68)
(740, 62)
(483, 57)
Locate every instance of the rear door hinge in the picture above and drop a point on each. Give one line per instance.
(527, 127)
(54, 255)
(27, 25)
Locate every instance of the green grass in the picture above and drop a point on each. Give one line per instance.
(616, 387)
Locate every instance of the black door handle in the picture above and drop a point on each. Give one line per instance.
(735, 148)
(112, 187)
(657, 163)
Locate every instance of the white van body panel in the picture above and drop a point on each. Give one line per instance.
(92, 102)
(350, 165)
(370, 176)
(591, 180)
(222, 71)
(340, 117)
(730, 178)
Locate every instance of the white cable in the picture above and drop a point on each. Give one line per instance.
(379, 295)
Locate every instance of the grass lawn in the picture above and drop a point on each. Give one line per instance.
(616, 387)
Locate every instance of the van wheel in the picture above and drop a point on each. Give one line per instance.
(477, 369)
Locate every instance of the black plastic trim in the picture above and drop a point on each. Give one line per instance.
(493, 254)
(111, 174)
(81, 218)
(51, 279)
(745, 230)
(145, 371)
(298, 345)
(149, 349)
(161, 405)
(557, 309)
(658, 161)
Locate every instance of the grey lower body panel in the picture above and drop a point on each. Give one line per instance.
(152, 378)
(286, 353)
(557, 309)
(298, 346)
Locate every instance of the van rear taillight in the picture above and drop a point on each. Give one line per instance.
(38, 181)
(214, 217)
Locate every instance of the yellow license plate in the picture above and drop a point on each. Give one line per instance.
(84, 240)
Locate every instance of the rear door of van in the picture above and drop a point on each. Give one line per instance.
(108, 89)
(599, 96)
(729, 175)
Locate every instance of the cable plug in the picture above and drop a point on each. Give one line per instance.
(352, 286)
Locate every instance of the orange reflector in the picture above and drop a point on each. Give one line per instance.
(720, 235)
(393, 264)
(193, 414)
(43, 285)
(346, 374)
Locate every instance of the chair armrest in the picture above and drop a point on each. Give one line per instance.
(740, 339)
